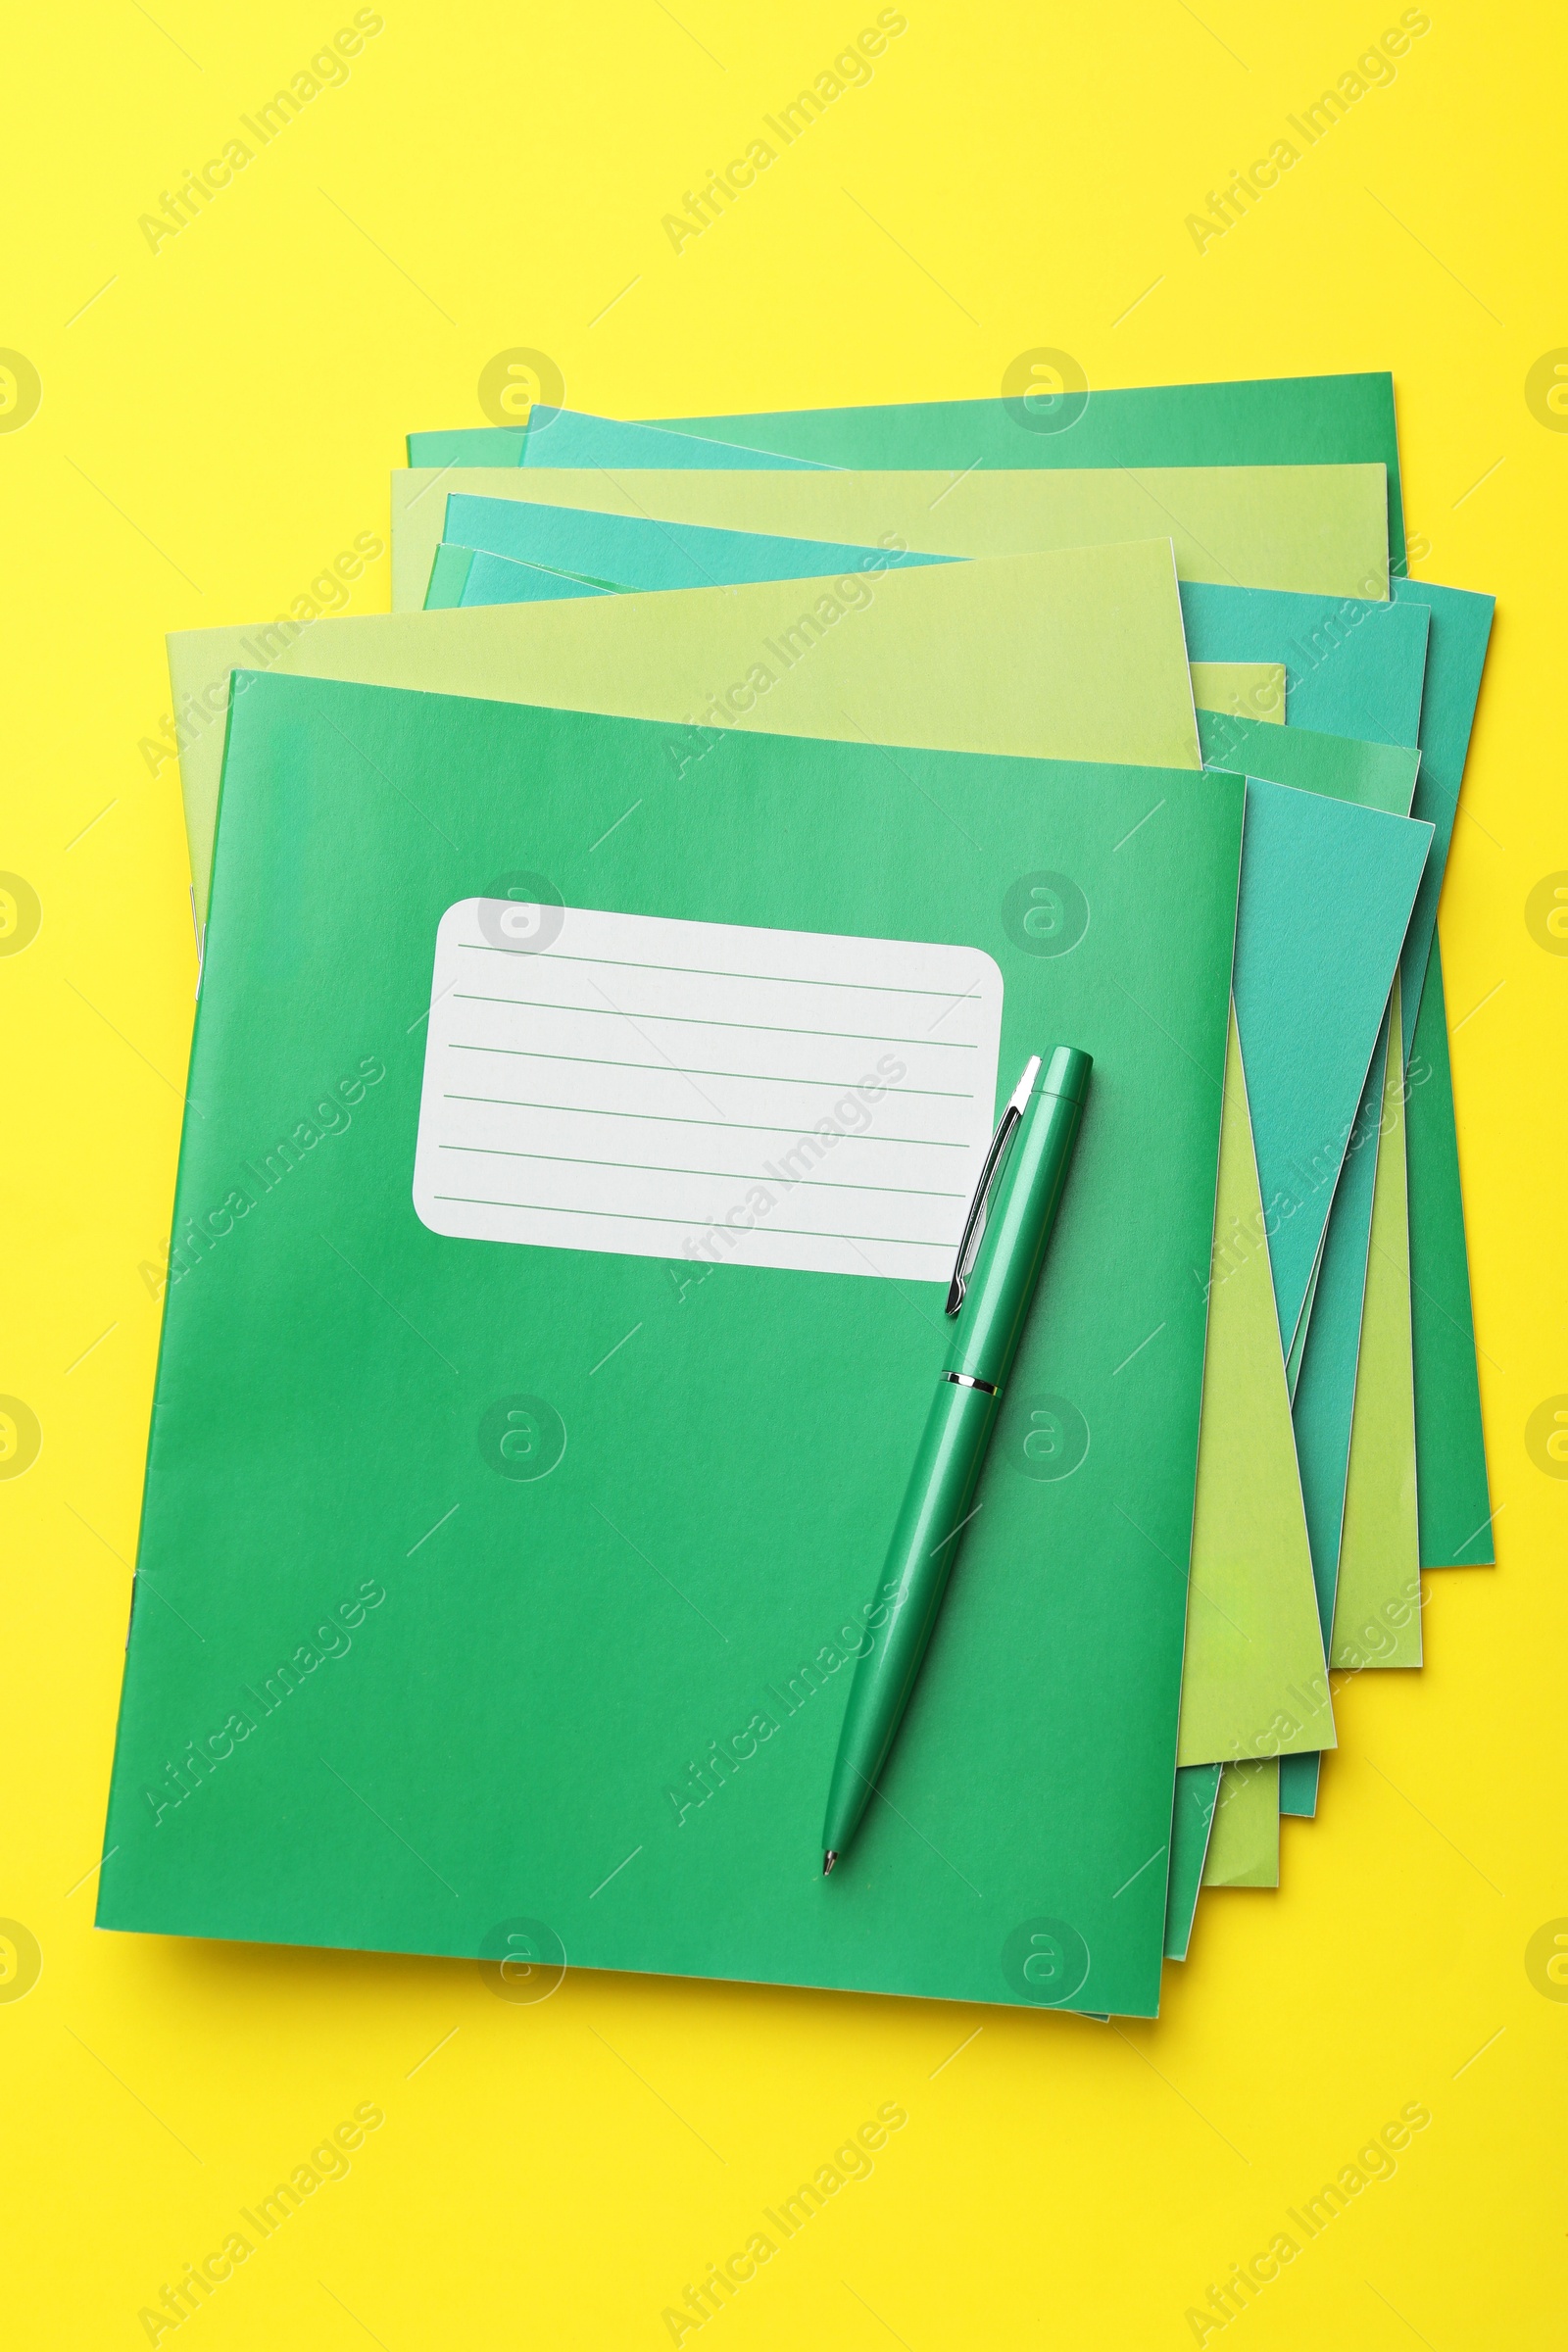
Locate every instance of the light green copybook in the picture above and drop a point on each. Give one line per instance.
(1244, 1844)
(1254, 1680)
(1090, 641)
(1254, 691)
(1321, 529)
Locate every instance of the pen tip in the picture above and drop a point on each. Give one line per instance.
(828, 1861)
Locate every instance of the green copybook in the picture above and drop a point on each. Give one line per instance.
(542, 1355)
(1375, 775)
(1453, 1502)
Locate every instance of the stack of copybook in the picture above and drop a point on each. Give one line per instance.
(613, 962)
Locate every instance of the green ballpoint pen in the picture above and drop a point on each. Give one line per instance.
(993, 1280)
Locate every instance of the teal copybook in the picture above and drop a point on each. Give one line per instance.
(563, 1214)
(630, 551)
(467, 576)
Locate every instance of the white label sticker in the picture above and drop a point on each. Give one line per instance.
(705, 1091)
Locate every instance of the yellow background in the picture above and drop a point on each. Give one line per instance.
(217, 424)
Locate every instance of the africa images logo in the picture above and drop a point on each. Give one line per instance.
(521, 1437)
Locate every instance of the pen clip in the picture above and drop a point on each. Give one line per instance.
(974, 1224)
